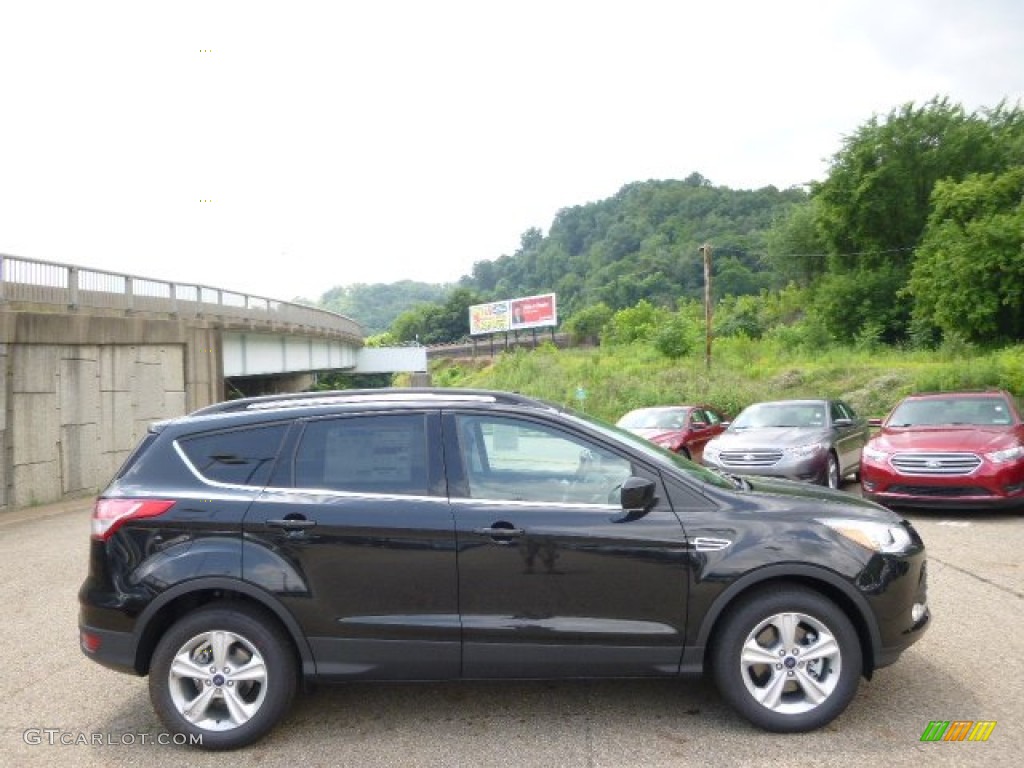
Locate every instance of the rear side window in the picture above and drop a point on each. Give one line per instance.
(383, 453)
(236, 457)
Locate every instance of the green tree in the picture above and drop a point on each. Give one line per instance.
(795, 246)
(586, 324)
(637, 323)
(968, 278)
(437, 323)
(675, 338)
(875, 203)
(377, 305)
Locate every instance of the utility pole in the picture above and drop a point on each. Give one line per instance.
(706, 251)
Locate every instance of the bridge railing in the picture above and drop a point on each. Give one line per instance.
(46, 282)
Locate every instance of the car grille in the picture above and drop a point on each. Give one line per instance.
(945, 464)
(939, 491)
(750, 458)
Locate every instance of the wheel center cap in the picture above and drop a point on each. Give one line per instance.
(790, 662)
(218, 680)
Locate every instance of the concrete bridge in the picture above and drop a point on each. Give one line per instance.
(89, 358)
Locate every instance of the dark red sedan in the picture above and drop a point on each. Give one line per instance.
(950, 450)
(682, 429)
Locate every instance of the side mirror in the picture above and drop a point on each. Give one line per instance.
(842, 423)
(637, 495)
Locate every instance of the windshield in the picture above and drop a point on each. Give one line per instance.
(652, 451)
(654, 418)
(966, 411)
(764, 415)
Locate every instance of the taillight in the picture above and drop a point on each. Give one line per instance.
(109, 514)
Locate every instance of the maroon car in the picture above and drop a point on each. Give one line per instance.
(682, 429)
(949, 450)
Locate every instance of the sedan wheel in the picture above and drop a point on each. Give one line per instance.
(832, 472)
(223, 674)
(787, 660)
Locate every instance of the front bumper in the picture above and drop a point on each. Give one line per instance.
(810, 469)
(897, 586)
(988, 487)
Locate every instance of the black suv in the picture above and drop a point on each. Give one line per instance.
(436, 534)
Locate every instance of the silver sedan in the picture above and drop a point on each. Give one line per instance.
(818, 441)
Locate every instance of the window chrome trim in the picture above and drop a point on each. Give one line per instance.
(531, 504)
(207, 481)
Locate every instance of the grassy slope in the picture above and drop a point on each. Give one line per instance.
(617, 379)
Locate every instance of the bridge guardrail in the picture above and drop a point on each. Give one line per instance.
(47, 282)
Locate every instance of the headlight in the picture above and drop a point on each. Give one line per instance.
(878, 537)
(711, 451)
(803, 451)
(873, 454)
(1010, 454)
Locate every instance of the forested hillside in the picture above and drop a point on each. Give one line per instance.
(916, 235)
(376, 305)
(643, 244)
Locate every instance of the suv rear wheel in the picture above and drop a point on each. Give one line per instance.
(223, 673)
(787, 659)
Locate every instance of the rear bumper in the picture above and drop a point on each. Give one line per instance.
(116, 650)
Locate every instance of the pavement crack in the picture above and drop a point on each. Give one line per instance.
(982, 579)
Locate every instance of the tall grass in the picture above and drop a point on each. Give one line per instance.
(616, 379)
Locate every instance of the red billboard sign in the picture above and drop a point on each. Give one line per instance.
(534, 312)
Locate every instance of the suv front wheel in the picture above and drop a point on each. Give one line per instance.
(225, 674)
(787, 659)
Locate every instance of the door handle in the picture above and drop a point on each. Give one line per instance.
(499, 532)
(291, 524)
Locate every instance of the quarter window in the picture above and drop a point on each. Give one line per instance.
(514, 460)
(236, 457)
(384, 454)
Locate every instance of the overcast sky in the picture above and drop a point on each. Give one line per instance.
(282, 148)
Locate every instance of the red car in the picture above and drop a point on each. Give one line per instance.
(682, 429)
(950, 450)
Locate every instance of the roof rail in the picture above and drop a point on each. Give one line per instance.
(312, 399)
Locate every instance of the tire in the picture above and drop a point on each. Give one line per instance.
(232, 661)
(832, 478)
(685, 453)
(772, 687)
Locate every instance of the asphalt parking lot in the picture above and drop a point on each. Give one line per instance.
(970, 666)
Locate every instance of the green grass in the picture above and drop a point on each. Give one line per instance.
(617, 379)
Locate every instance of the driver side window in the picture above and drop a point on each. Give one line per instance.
(516, 460)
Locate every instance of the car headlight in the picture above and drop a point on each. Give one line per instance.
(873, 454)
(712, 451)
(803, 451)
(878, 537)
(1009, 454)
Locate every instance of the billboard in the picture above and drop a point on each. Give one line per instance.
(488, 318)
(513, 314)
(533, 312)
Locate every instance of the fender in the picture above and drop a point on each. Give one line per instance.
(227, 583)
(693, 656)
